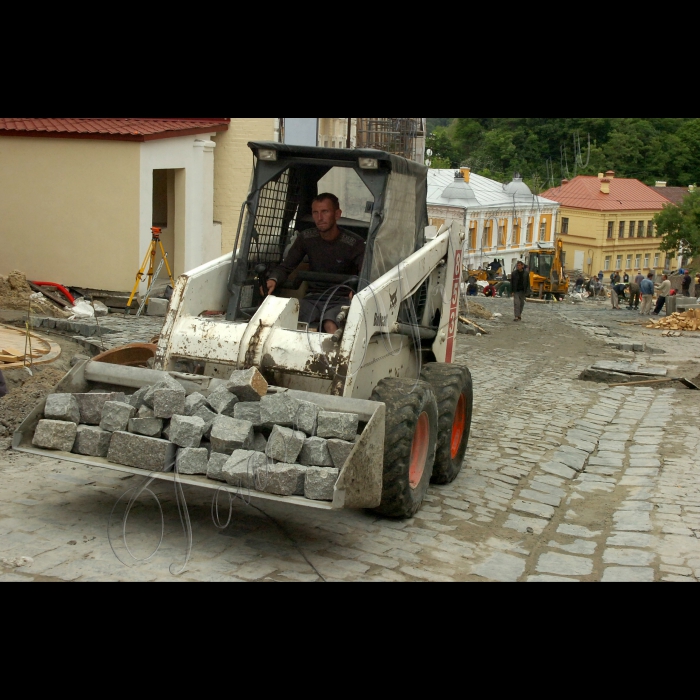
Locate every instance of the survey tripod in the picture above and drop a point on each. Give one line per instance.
(156, 243)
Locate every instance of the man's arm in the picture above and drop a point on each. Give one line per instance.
(3, 386)
(293, 260)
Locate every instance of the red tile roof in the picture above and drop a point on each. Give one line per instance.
(583, 192)
(111, 129)
(673, 194)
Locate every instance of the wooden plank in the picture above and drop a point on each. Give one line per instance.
(630, 368)
(466, 321)
(50, 295)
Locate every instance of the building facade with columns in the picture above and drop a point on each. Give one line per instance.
(503, 222)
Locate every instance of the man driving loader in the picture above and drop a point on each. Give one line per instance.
(330, 250)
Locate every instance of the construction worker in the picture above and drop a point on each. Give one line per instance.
(504, 288)
(647, 287)
(3, 386)
(687, 282)
(520, 284)
(329, 249)
(635, 296)
(664, 291)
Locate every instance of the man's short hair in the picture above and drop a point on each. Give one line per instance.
(327, 196)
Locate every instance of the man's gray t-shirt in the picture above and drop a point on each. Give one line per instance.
(343, 256)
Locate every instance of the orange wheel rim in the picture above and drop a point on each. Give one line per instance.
(419, 451)
(459, 426)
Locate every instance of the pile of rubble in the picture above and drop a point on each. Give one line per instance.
(17, 295)
(688, 321)
(238, 434)
(474, 310)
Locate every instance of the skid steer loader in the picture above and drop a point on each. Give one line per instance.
(391, 360)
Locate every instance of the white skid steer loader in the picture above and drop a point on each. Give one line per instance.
(391, 360)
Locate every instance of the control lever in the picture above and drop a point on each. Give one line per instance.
(340, 320)
(261, 276)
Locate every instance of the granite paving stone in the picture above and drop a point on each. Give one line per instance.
(564, 565)
(616, 574)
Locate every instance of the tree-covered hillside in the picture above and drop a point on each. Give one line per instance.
(546, 150)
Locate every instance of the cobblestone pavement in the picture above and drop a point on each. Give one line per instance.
(564, 481)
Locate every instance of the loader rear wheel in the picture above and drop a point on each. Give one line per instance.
(409, 446)
(452, 385)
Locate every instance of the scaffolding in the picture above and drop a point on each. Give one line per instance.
(402, 136)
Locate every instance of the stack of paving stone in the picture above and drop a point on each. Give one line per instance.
(237, 434)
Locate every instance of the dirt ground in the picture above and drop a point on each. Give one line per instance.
(26, 391)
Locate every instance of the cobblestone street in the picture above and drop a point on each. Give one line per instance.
(564, 480)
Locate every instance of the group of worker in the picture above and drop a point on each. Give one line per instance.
(642, 290)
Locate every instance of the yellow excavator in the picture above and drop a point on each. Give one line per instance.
(547, 267)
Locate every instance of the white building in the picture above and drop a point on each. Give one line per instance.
(502, 221)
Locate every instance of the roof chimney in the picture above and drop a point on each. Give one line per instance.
(692, 188)
(564, 182)
(601, 176)
(605, 185)
(660, 183)
(610, 174)
(466, 173)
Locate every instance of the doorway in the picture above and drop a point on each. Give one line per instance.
(168, 215)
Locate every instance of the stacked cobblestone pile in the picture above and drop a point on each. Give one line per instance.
(237, 434)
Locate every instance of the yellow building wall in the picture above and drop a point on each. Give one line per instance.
(588, 231)
(233, 167)
(69, 210)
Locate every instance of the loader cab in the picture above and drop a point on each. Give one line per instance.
(383, 198)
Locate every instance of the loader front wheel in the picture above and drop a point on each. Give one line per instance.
(452, 385)
(409, 446)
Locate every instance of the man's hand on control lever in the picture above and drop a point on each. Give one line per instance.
(271, 286)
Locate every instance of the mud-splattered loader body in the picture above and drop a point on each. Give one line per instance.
(393, 354)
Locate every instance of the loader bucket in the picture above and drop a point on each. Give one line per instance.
(360, 482)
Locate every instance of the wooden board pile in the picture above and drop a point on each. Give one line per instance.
(16, 350)
(688, 321)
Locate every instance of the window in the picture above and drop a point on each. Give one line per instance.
(647, 260)
(629, 262)
(650, 229)
(516, 232)
(632, 228)
(608, 262)
(543, 231)
(657, 260)
(565, 226)
(611, 229)
(618, 264)
(622, 229)
(472, 235)
(637, 262)
(640, 230)
(502, 233)
(488, 233)
(529, 231)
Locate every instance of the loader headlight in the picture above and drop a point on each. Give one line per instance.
(369, 163)
(267, 154)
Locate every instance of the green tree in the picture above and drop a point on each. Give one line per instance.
(680, 227)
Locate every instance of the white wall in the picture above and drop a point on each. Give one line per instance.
(193, 157)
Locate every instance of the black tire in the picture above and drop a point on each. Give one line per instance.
(450, 383)
(406, 402)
